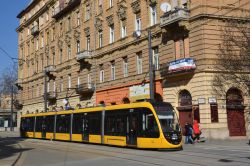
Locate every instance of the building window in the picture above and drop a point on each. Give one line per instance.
(53, 58)
(137, 23)
(113, 70)
(78, 80)
(153, 16)
(69, 81)
(110, 3)
(111, 34)
(89, 81)
(77, 46)
(37, 43)
(156, 58)
(123, 30)
(42, 41)
(69, 23)
(87, 13)
(214, 113)
(61, 28)
(61, 55)
(125, 66)
(54, 86)
(139, 63)
(69, 52)
(53, 34)
(100, 36)
(87, 43)
(48, 87)
(47, 38)
(101, 74)
(78, 18)
(61, 84)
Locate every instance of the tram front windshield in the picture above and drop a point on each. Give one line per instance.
(168, 118)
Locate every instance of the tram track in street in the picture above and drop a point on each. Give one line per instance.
(126, 155)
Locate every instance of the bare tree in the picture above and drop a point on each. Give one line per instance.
(8, 79)
(233, 66)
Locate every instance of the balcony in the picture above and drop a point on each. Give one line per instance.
(85, 88)
(175, 16)
(35, 30)
(83, 55)
(61, 9)
(51, 95)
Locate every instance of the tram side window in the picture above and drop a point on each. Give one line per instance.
(63, 123)
(94, 120)
(148, 125)
(115, 123)
(39, 122)
(50, 123)
(27, 124)
(77, 126)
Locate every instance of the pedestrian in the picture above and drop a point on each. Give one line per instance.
(197, 131)
(189, 133)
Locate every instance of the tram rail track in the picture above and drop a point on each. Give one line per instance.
(135, 157)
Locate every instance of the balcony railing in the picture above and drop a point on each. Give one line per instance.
(61, 10)
(85, 88)
(83, 55)
(35, 30)
(177, 15)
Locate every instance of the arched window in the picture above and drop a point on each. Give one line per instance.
(185, 98)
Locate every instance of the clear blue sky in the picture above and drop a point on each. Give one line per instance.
(9, 9)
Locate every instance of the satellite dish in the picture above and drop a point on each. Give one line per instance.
(137, 33)
(165, 7)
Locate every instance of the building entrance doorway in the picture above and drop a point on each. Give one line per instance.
(235, 113)
(187, 112)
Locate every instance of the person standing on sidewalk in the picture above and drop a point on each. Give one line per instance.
(189, 133)
(197, 131)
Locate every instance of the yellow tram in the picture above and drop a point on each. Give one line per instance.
(139, 125)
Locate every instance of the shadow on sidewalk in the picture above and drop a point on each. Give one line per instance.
(10, 146)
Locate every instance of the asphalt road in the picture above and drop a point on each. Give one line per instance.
(31, 152)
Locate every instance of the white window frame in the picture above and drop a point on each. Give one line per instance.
(87, 13)
(77, 18)
(112, 71)
(37, 43)
(137, 23)
(111, 34)
(102, 75)
(78, 46)
(111, 3)
(89, 82)
(42, 41)
(153, 15)
(69, 81)
(54, 86)
(100, 34)
(123, 30)
(78, 80)
(48, 85)
(139, 63)
(155, 52)
(125, 67)
(69, 52)
(87, 43)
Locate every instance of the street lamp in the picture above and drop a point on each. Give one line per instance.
(137, 34)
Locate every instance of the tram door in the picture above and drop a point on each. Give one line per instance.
(132, 126)
(85, 127)
(43, 127)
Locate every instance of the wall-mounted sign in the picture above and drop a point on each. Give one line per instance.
(139, 92)
(181, 65)
(212, 100)
(201, 101)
